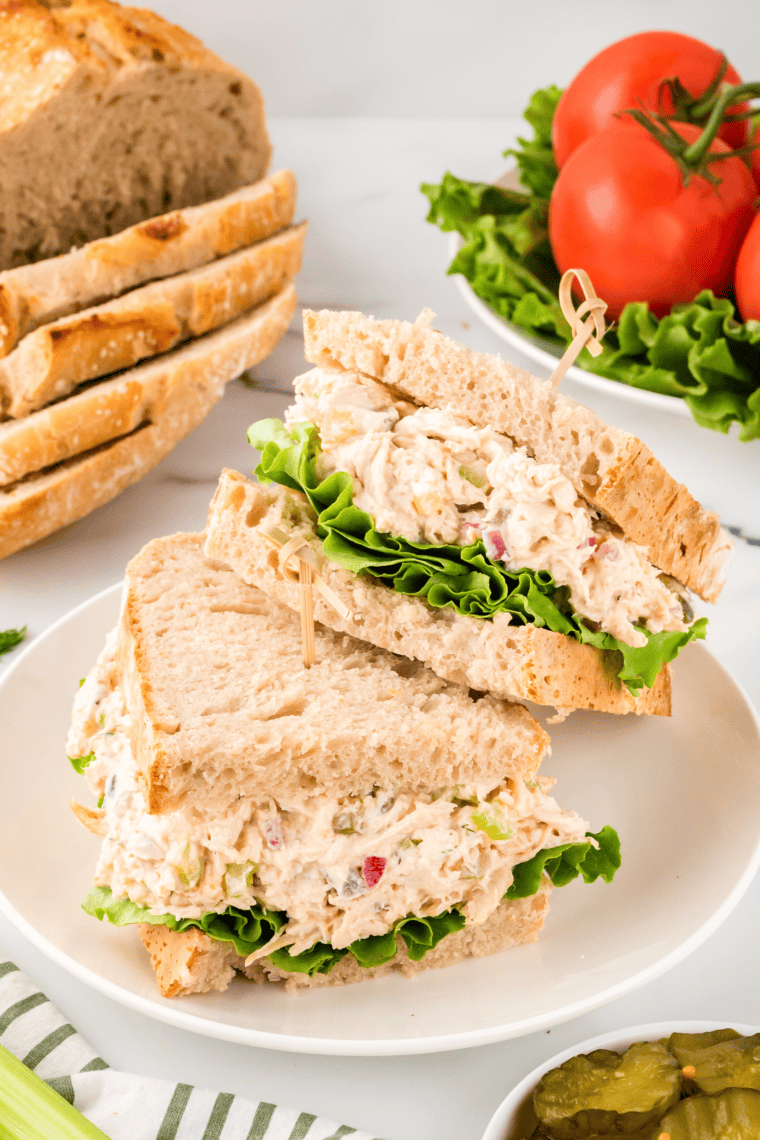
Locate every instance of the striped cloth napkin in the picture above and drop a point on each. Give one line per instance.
(127, 1107)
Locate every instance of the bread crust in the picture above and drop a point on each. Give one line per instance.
(54, 359)
(33, 295)
(520, 662)
(613, 470)
(191, 962)
(188, 384)
(90, 87)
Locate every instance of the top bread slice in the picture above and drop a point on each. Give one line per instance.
(110, 116)
(613, 470)
(221, 704)
(33, 295)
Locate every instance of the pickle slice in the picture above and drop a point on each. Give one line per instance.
(731, 1115)
(603, 1093)
(720, 1060)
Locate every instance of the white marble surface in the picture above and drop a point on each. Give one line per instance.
(370, 248)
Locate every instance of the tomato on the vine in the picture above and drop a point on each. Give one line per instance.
(630, 73)
(747, 275)
(621, 210)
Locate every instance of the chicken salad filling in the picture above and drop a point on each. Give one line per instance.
(428, 475)
(341, 868)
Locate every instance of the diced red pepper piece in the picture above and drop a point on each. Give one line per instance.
(373, 870)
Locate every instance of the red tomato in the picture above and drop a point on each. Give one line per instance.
(747, 276)
(631, 71)
(620, 210)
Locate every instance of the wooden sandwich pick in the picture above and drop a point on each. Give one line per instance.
(586, 322)
(309, 578)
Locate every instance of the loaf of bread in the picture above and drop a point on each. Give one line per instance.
(33, 295)
(80, 453)
(110, 116)
(54, 359)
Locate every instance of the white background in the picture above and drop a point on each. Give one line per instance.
(366, 100)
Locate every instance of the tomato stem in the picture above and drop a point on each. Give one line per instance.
(693, 155)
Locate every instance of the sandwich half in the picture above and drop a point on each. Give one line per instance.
(496, 529)
(312, 826)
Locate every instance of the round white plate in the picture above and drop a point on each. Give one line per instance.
(543, 352)
(514, 1117)
(684, 794)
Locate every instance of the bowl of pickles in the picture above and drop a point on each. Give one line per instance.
(689, 1080)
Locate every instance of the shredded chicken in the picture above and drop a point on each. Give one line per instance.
(341, 868)
(428, 475)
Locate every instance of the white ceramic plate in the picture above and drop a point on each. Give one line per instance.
(544, 353)
(689, 824)
(514, 1118)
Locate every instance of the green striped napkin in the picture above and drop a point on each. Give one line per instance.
(128, 1107)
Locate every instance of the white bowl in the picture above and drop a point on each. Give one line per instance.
(514, 1118)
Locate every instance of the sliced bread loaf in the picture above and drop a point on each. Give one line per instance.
(221, 704)
(54, 359)
(110, 116)
(150, 409)
(193, 963)
(32, 295)
(610, 468)
(521, 662)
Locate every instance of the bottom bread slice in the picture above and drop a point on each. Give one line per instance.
(510, 661)
(192, 381)
(192, 963)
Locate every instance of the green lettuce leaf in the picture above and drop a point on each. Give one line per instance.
(564, 863)
(249, 930)
(535, 157)
(700, 351)
(79, 763)
(460, 577)
(10, 638)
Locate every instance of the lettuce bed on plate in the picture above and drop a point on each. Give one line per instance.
(462, 577)
(250, 930)
(699, 351)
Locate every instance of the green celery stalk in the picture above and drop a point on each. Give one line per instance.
(30, 1109)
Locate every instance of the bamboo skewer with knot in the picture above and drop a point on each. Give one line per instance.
(586, 322)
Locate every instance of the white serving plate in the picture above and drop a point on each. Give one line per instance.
(514, 1120)
(689, 824)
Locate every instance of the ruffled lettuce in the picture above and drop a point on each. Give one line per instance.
(460, 577)
(700, 351)
(250, 930)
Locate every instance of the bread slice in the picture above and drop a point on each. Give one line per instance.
(514, 662)
(54, 359)
(168, 399)
(192, 963)
(33, 295)
(610, 468)
(111, 116)
(221, 704)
